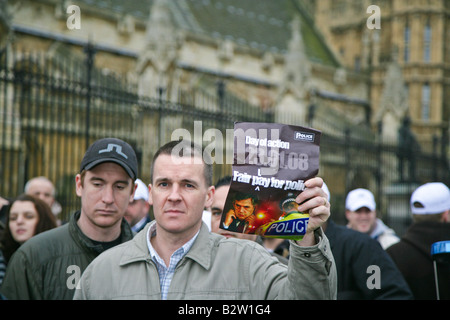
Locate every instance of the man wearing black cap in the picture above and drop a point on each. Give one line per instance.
(49, 266)
(177, 257)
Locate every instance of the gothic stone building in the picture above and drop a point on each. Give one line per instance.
(306, 62)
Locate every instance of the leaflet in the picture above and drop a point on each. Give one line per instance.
(270, 165)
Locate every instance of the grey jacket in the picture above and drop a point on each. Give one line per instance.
(214, 268)
(48, 265)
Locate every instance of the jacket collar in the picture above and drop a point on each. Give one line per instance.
(200, 251)
(423, 234)
(79, 237)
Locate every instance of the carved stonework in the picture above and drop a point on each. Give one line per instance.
(340, 77)
(126, 25)
(268, 61)
(298, 69)
(394, 100)
(293, 93)
(157, 61)
(226, 50)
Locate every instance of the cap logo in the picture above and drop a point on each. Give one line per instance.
(111, 147)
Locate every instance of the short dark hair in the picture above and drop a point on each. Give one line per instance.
(185, 148)
(242, 196)
(224, 181)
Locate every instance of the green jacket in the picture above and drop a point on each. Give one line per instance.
(214, 268)
(49, 265)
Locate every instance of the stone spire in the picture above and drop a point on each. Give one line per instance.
(157, 60)
(394, 100)
(293, 92)
(296, 62)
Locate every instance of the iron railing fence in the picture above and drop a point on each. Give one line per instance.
(52, 108)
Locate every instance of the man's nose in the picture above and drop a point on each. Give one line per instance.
(174, 193)
(108, 195)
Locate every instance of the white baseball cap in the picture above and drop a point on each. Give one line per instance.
(430, 198)
(359, 198)
(141, 190)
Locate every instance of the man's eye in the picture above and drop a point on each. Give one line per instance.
(216, 213)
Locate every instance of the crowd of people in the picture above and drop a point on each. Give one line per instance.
(112, 249)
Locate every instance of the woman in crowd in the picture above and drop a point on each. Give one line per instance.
(27, 216)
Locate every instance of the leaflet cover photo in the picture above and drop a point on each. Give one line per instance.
(270, 165)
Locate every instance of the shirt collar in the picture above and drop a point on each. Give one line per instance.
(139, 225)
(201, 250)
(151, 232)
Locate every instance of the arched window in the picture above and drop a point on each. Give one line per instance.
(406, 42)
(427, 42)
(426, 101)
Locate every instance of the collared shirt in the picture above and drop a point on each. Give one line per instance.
(166, 273)
(217, 268)
(138, 226)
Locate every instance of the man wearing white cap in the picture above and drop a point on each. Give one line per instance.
(137, 211)
(360, 211)
(430, 207)
(354, 252)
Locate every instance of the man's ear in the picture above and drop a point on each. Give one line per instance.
(446, 216)
(347, 214)
(209, 197)
(78, 185)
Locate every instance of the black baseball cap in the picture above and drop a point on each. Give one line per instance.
(111, 150)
